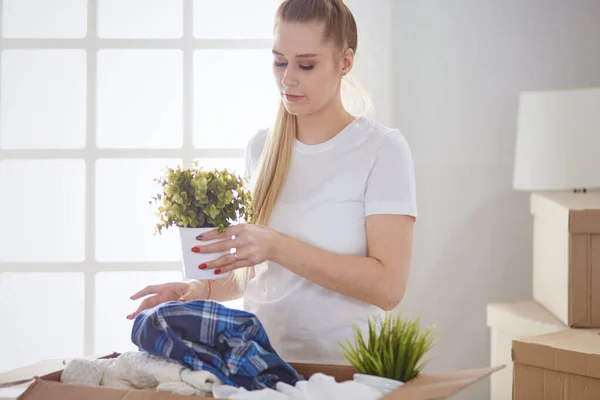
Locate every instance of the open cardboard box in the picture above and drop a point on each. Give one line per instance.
(424, 387)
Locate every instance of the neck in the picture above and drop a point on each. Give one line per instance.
(323, 125)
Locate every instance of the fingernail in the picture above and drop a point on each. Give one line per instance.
(195, 250)
(202, 266)
(217, 271)
(199, 237)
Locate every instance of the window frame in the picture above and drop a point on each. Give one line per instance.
(91, 43)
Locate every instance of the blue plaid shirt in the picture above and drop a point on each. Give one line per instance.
(205, 335)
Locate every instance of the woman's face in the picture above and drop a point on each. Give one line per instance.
(307, 69)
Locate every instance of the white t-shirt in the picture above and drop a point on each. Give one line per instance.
(331, 187)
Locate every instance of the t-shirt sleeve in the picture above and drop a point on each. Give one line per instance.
(391, 185)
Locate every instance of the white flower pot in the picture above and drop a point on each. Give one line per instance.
(381, 384)
(191, 260)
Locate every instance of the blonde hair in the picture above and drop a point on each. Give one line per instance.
(273, 166)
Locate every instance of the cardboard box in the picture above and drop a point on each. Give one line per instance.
(424, 387)
(507, 322)
(562, 365)
(566, 256)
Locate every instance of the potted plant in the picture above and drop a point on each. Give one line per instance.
(196, 201)
(391, 354)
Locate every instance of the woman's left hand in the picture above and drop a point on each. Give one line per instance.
(253, 245)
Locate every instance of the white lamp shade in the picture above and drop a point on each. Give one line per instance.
(558, 140)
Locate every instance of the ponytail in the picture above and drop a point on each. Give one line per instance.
(271, 174)
(274, 164)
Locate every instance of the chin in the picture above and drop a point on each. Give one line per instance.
(294, 110)
(298, 110)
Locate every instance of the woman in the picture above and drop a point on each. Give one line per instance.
(334, 197)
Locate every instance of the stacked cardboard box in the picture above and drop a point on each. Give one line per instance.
(562, 365)
(553, 340)
(510, 321)
(566, 256)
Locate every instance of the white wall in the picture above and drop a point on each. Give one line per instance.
(458, 67)
(373, 64)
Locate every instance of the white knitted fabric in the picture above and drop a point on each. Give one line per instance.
(86, 372)
(140, 370)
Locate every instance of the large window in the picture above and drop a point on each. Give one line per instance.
(97, 97)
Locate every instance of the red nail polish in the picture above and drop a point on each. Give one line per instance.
(217, 271)
(195, 250)
(202, 266)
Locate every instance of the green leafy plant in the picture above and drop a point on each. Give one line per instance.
(393, 351)
(196, 198)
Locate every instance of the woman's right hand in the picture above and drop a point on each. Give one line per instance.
(172, 291)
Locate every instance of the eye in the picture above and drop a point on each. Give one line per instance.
(279, 64)
(307, 67)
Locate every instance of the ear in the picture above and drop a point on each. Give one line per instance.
(347, 61)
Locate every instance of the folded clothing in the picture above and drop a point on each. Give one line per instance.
(206, 335)
(86, 372)
(318, 387)
(140, 370)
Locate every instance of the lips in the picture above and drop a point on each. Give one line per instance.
(292, 97)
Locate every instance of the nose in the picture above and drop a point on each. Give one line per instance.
(288, 80)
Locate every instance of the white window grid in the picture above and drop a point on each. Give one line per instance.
(89, 267)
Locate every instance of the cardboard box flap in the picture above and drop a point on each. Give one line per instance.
(424, 387)
(524, 318)
(47, 390)
(28, 372)
(571, 351)
(439, 386)
(580, 212)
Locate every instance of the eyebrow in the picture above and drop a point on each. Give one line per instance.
(306, 55)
